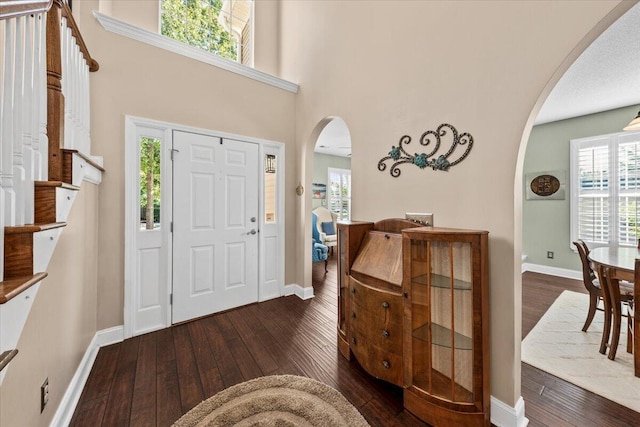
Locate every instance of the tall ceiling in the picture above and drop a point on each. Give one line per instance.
(604, 77)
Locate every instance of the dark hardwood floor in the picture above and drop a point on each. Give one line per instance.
(153, 379)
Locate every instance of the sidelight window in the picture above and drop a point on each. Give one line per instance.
(149, 183)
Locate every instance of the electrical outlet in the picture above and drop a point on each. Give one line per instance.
(44, 394)
(420, 218)
(550, 254)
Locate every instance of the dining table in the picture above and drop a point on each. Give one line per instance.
(620, 262)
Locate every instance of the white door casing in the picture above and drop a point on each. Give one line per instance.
(148, 268)
(215, 224)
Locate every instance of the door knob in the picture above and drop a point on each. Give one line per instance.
(252, 231)
(253, 219)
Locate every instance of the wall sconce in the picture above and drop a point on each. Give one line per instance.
(635, 123)
(299, 189)
(270, 163)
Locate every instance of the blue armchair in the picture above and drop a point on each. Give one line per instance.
(319, 251)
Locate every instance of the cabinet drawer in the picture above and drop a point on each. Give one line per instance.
(375, 300)
(376, 361)
(381, 329)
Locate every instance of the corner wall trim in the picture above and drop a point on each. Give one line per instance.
(503, 415)
(67, 406)
(553, 271)
(110, 336)
(154, 39)
(302, 292)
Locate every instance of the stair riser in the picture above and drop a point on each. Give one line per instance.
(53, 204)
(18, 255)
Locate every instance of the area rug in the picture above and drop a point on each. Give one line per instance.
(279, 400)
(558, 346)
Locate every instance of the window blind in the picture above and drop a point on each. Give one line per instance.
(605, 189)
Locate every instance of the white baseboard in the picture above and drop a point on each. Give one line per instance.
(503, 415)
(295, 289)
(67, 406)
(110, 336)
(553, 271)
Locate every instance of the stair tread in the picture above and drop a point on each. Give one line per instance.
(33, 228)
(6, 357)
(56, 184)
(11, 288)
(85, 157)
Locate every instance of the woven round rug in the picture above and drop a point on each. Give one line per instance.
(278, 400)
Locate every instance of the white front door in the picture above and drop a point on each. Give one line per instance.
(215, 224)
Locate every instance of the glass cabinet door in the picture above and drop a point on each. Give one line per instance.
(442, 318)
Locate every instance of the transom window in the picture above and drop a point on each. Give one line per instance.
(605, 189)
(223, 27)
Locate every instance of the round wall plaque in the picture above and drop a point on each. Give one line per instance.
(545, 185)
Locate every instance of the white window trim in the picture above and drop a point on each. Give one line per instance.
(341, 172)
(154, 39)
(614, 139)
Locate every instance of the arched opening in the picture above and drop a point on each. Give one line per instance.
(531, 211)
(328, 177)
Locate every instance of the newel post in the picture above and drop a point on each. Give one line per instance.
(55, 98)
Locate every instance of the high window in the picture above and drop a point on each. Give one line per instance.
(223, 27)
(605, 189)
(339, 193)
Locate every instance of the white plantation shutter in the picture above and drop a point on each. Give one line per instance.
(339, 192)
(628, 192)
(605, 187)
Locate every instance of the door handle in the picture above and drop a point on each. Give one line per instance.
(252, 231)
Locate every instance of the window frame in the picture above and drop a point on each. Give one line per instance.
(238, 42)
(612, 142)
(342, 173)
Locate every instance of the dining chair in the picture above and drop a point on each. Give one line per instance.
(591, 283)
(615, 292)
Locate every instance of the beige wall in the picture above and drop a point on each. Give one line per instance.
(139, 80)
(62, 321)
(403, 67)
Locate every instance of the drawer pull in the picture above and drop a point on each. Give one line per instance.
(353, 315)
(385, 304)
(353, 340)
(406, 294)
(385, 333)
(386, 364)
(353, 290)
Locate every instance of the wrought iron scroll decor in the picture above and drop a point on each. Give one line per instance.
(399, 154)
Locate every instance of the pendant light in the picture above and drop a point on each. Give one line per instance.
(635, 123)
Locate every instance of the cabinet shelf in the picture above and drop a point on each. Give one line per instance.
(441, 336)
(439, 281)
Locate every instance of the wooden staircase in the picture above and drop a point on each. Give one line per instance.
(41, 181)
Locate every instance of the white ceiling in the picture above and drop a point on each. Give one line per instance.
(334, 139)
(604, 77)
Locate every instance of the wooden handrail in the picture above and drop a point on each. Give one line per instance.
(15, 8)
(71, 23)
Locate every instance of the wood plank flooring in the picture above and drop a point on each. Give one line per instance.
(151, 380)
(551, 401)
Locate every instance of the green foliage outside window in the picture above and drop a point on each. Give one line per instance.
(195, 22)
(149, 182)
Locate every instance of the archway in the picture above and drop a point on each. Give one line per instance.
(613, 16)
(328, 149)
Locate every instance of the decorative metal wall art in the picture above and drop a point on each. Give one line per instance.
(399, 155)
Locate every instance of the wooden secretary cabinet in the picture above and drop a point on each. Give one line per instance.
(413, 310)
